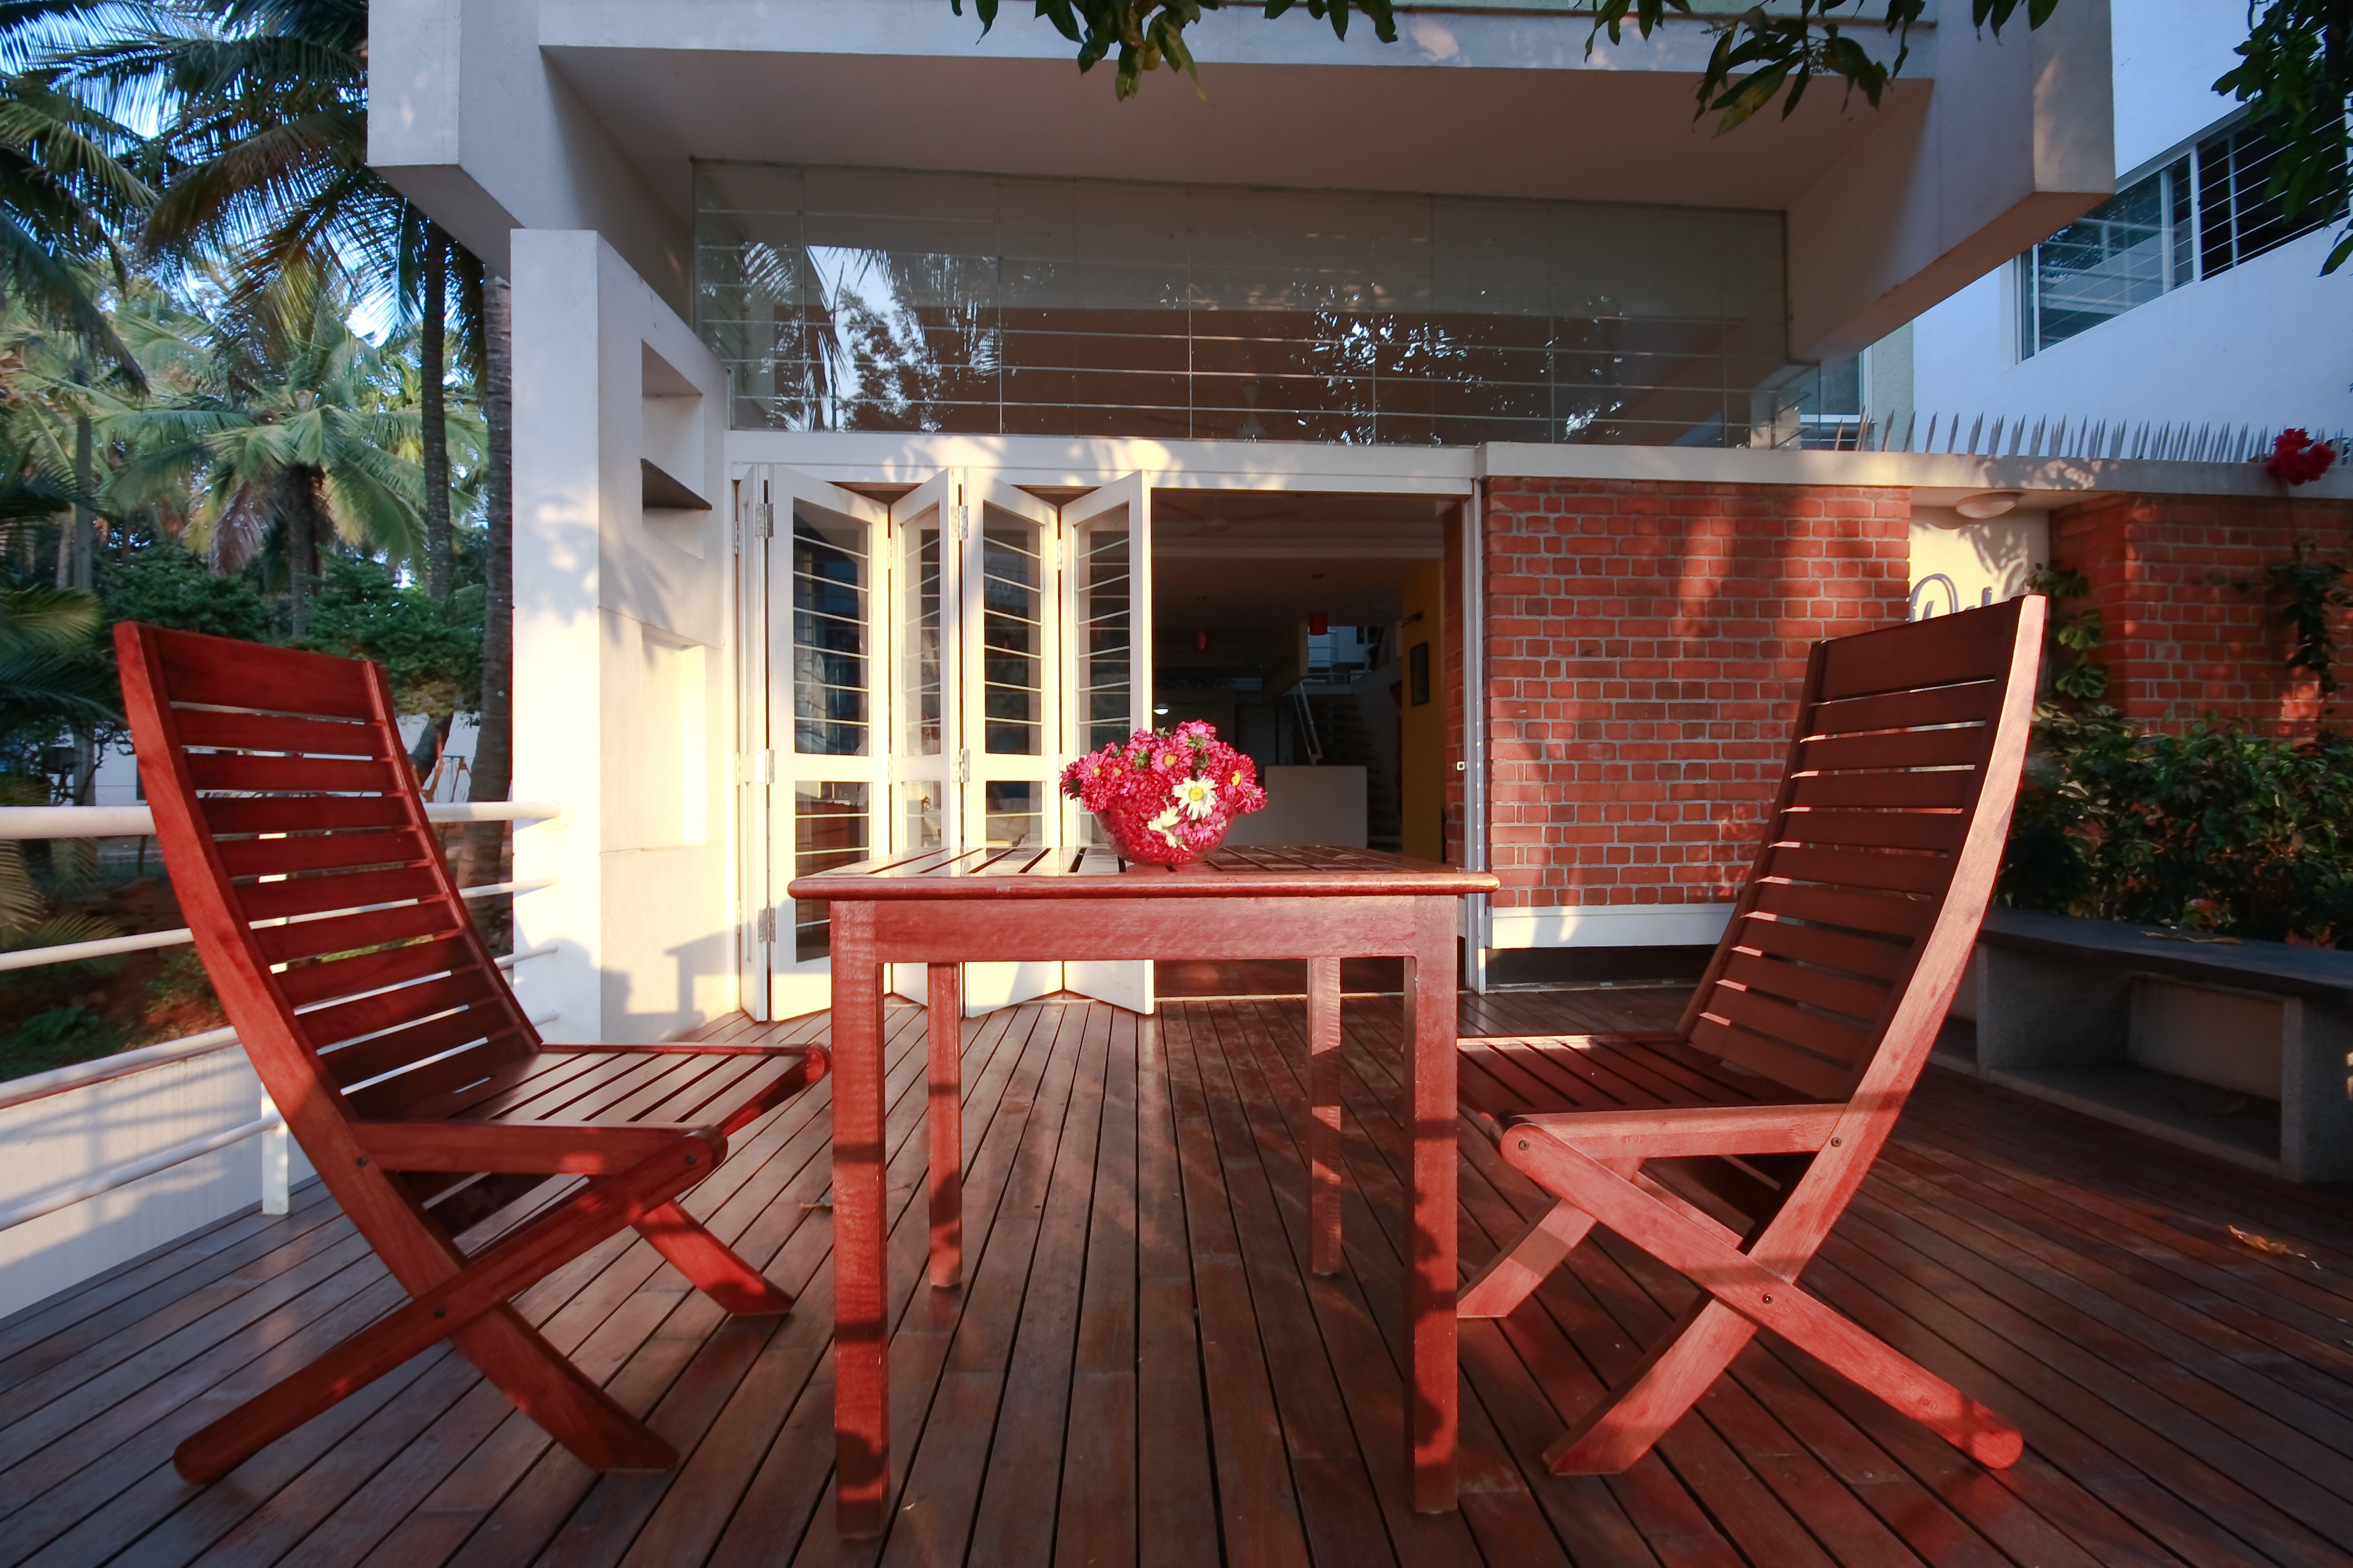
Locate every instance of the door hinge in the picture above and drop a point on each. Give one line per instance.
(763, 519)
(764, 926)
(963, 767)
(963, 522)
(756, 767)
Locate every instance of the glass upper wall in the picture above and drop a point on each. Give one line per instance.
(882, 300)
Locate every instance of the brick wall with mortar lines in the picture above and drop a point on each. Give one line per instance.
(2179, 636)
(1645, 645)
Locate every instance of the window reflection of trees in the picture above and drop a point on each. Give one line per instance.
(874, 340)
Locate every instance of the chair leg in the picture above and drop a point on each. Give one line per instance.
(568, 1406)
(710, 1265)
(1516, 1272)
(506, 1349)
(1678, 1369)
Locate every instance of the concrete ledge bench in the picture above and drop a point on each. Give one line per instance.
(2239, 1049)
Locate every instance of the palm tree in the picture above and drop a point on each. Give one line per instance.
(295, 439)
(265, 160)
(65, 194)
(267, 154)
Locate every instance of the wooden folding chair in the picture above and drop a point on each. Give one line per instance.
(1728, 1148)
(325, 914)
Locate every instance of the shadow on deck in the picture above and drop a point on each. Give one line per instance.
(1141, 1370)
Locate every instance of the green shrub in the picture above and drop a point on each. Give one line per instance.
(2216, 829)
(53, 1038)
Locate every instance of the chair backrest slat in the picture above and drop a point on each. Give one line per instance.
(1883, 802)
(318, 894)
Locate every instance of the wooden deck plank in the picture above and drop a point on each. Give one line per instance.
(1142, 1370)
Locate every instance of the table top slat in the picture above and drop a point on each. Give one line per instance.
(1260, 870)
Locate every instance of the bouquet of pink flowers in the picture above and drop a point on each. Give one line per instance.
(1166, 798)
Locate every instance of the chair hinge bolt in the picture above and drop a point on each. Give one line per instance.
(1768, 1297)
(1834, 1142)
(440, 1311)
(1524, 1142)
(361, 1161)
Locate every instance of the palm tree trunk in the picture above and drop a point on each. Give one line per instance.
(431, 351)
(493, 773)
(85, 480)
(298, 565)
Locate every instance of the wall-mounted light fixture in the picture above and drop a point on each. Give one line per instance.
(1988, 503)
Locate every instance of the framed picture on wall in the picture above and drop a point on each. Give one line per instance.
(1416, 668)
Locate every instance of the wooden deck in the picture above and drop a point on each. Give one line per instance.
(1141, 1372)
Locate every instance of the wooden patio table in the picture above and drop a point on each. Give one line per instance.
(944, 908)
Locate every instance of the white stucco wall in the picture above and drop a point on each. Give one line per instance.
(624, 701)
(2266, 343)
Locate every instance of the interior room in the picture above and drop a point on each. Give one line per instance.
(1308, 629)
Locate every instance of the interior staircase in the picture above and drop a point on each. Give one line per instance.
(1340, 730)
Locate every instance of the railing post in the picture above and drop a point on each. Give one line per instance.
(277, 1161)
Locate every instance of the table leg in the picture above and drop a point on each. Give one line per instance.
(1324, 1130)
(1430, 1374)
(943, 1118)
(862, 1379)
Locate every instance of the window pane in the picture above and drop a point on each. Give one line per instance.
(829, 830)
(921, 819)
(1012, 634)
(919, 650)
(2239, 217)
(2113, 258)
(1104, 635)
(1017, 814)
(889, 300)
(829, 632)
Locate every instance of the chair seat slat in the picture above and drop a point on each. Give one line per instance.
(1862, 869)
(277, 733)
(1877, 829)
(1894, 748)
(1778, 1063)
(1882, 792)
(1977, 699)
(322, 852)
(300, 814)
(1878, 959)
(217, 672)
(346, 933)
(399, 1094)
(337, 1022)
(1838, 1041)
(318, 895)
(1818, 987)
(307, 983)
(354, 1062)
(1946, 651)
(289, 776)
(1884, 914)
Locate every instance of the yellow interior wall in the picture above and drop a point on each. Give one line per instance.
(1421, 727)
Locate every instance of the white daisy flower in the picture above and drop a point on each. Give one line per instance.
(1198, 796)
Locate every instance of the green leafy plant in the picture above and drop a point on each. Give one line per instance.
(2074, 674)
(2217, 828)
(2310, 598)
(1146, 33)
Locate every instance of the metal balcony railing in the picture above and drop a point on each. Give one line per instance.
(115, 822)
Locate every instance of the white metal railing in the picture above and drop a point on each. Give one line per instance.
(138, 822)
(110, 821)
(274, 1194)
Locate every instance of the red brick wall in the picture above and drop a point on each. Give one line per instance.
(1645, 643)
(2179, 636)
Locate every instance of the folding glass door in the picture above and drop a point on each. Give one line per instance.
(918, 677)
